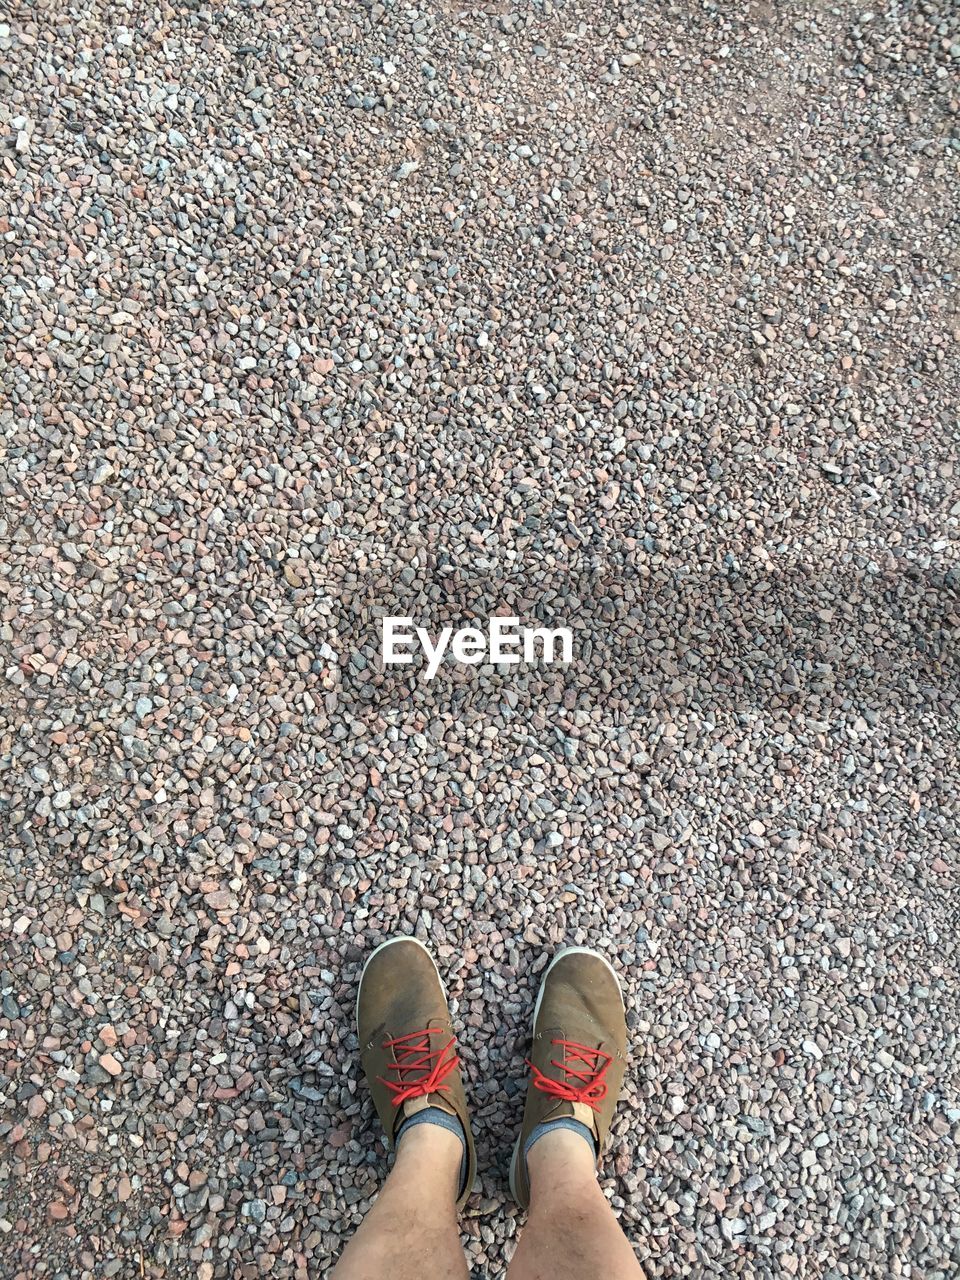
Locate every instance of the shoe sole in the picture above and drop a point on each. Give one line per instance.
(564, 951)
(400, 937)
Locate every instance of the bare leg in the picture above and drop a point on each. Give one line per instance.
(571, 1233)
(411, 1232)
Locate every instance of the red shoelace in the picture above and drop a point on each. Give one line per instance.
(416, 1058)
(584, 1074)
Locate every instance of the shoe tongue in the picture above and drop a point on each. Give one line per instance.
(586, 1115)
(427, 1100)
(576, 1111)
(416, 1105)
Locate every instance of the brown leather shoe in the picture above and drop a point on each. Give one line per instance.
(579, 1053)
(407, 1045)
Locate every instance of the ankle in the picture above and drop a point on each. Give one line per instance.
(561, 1160)
(432, 1156)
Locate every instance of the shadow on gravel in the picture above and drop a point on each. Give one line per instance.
(734, 640)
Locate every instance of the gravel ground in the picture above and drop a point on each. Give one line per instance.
(642, 319)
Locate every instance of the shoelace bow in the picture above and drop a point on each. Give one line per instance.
(416, 1057)
(584, 1074)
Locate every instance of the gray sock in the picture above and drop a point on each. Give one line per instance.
(443, 1120)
